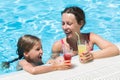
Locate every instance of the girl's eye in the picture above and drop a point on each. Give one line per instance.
(38, 49)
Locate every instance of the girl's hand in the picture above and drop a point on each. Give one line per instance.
(62, 64)
(65, 65)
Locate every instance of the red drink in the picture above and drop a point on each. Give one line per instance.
(67, 56)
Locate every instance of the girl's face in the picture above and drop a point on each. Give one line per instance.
(35, 54)
(70, 25)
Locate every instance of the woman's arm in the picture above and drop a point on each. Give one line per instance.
(107, 49)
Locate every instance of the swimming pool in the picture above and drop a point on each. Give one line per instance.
(43, 19)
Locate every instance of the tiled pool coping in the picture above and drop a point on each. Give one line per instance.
(107, 68)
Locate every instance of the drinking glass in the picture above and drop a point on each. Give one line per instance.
(68, 54)
(82, 49)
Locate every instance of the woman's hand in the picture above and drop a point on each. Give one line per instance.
(87, 57)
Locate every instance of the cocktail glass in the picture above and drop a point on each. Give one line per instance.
(68, 54)
(81, 49)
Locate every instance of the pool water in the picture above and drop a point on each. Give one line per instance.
(42, 18)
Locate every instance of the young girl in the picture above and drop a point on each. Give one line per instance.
(29, 50)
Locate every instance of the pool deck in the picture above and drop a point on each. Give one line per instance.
(99, 69)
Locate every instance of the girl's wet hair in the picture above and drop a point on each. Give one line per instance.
(25, 44)
(77, 12)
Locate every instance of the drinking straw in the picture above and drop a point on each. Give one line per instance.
(78, 37)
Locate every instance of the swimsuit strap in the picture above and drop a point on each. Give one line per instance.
(62, 41)
(63, 46)
(87, 36)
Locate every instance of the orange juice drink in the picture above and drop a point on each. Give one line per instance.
(81, 49)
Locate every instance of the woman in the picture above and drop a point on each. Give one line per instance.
(73, 20)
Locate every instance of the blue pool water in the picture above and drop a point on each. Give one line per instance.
(43, 19)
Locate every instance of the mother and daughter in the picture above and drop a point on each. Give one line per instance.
(29, 47)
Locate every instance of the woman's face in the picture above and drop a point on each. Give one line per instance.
(35, 54)
(70, 25)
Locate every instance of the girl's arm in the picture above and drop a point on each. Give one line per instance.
(43, 69)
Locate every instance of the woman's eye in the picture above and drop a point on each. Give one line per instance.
(63, 23)
(69, 23)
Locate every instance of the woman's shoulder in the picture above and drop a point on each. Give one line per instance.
(59, 42)
(90, 34)
(94, 35)
(57, 46)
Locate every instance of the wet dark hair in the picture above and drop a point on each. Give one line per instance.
(25, 44)
(77, 12)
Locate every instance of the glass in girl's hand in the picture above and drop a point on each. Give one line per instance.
(68, 54)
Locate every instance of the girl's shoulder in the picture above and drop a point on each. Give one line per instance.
(18, 67)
